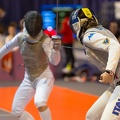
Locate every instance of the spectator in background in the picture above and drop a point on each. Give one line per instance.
(21, 25)
(2, 37)
(102, 50)
(7, 60)
(67, 41)
(50, 31)
(12, 30)
(114, 28)
(3, 20)
(85, 72)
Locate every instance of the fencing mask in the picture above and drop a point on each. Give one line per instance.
(33, 23)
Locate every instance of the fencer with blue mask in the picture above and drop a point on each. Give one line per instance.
(103, 50)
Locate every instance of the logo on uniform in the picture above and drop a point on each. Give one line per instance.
(7, 45)
(91, 35)
(116, 109)
(106, 41)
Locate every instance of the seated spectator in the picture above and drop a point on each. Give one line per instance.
(114, 28)
(2, 37)
(3, 20)
(67, 42)
(21, 25)
(83, 73)
(7, 60)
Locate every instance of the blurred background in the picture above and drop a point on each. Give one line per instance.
(74, 65)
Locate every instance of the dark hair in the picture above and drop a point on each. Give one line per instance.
(13, 24)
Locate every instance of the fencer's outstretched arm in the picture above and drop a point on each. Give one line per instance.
(53, 55)
(8, 46)
(101, 42)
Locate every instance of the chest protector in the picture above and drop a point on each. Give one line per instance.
(35, 59)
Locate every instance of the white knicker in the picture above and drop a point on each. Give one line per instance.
(107, 107)
(40, 90)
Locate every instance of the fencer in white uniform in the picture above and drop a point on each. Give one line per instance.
(37, 50)
(103, 50)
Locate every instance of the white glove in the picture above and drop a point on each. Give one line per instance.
(107, 77)
(56, 42)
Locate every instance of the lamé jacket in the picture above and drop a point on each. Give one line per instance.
(102, 49)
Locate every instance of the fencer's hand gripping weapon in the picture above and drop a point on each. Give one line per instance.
(57, 37)
(107, 77)
(56, 42)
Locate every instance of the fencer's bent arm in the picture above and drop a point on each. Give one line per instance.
(8, 46)
(103, 43)
(54, 56)
(114, 56)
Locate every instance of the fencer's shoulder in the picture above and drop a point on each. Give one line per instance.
(16, 37)
(46, 40)
(46, 37)
(20, 34)
(20, 37)
(92, 35)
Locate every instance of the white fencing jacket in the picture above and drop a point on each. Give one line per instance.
(35, 56)
(102, 49)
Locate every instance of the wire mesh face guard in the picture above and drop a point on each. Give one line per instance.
(78, 17)
(33, 23)
(74, 21)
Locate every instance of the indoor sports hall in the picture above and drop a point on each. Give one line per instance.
(77, 84)
(69, 100)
